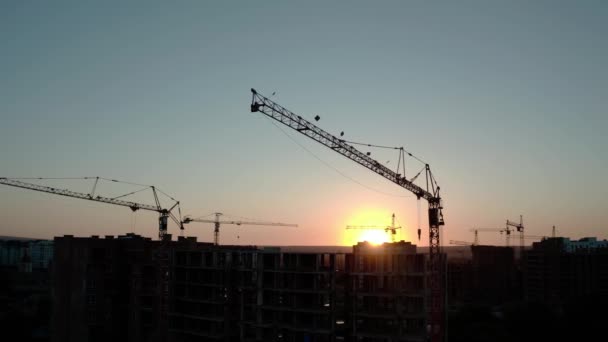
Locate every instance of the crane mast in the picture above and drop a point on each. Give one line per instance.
(262, 104)
(164, 214)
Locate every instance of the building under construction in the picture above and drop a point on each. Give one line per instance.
(105, 289)
(109, 289)
(489, 277)
(387, 297)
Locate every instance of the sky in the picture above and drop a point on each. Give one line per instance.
(506, 101)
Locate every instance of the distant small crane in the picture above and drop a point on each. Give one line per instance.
(217, 223)
(392, 228)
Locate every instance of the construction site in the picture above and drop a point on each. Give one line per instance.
(175, 288)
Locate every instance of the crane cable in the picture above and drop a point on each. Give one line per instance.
(385, 147)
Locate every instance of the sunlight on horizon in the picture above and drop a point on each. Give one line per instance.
(371, 217)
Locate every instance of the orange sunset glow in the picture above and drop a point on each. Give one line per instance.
(372, 217)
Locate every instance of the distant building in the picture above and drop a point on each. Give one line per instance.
(558, 269)
(12, 252)
(586, 244)
(41, 252)
(25, 264)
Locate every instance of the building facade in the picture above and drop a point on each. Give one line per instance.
(387, 293)
(494, 275)
(109, 289)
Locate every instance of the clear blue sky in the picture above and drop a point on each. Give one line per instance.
(507, 100)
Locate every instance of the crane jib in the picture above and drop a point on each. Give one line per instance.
(164, 213)
(275, 111)
(64, 192)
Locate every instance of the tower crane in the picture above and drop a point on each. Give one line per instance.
(161, 255)
(262, 104)
(392, 228)
(520, 228)
(164, 213)
(217, 223)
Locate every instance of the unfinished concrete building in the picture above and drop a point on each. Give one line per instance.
(211, 293)
(112, 288)
(387, 293)
(103, 289)
(297, 297)
(239, 293)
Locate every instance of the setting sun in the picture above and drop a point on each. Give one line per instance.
(376, 237)
(364, 218)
